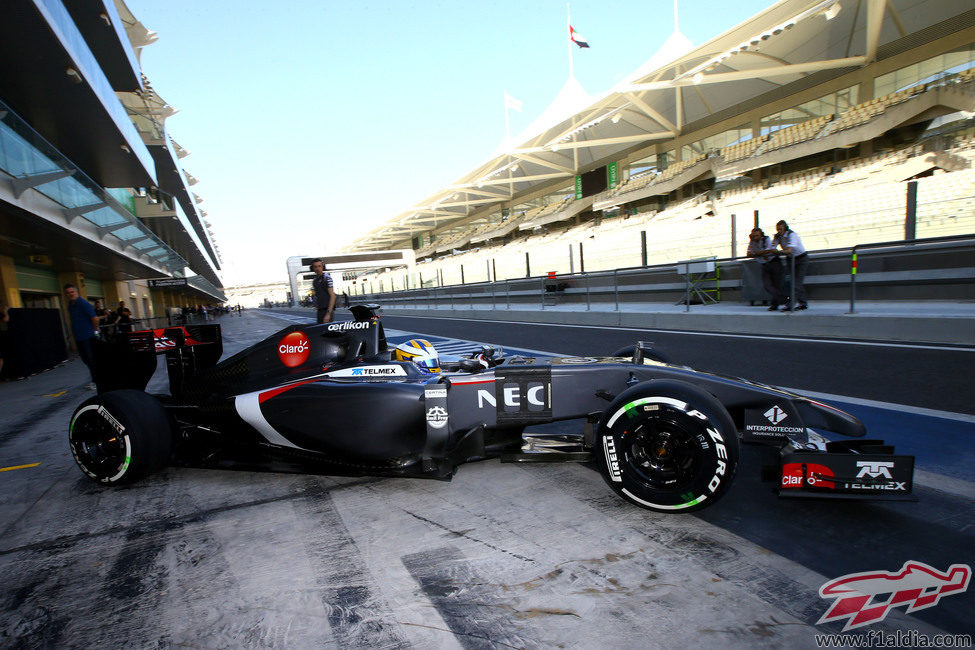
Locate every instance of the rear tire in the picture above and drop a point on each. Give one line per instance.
(668, 446)
(120, 436)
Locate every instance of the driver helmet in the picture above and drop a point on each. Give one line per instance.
(420, 352)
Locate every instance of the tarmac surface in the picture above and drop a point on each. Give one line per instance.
(503, 555)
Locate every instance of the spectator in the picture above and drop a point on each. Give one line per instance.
(791, 245)
(4, 319)
(101, 313)
(84, 326)
(758, 247)
(324, 292)
(123, 317)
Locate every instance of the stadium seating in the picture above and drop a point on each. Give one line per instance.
(742, 150)
(864, 112)
(834, 206)
(797, 133)
(679, 167)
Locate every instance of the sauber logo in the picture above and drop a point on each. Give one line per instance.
(916, 585)
(775, 415)
(874, 469)
(293, 349)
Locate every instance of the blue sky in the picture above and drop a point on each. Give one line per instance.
(312, 121)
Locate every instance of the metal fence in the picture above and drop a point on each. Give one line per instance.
(935, 268)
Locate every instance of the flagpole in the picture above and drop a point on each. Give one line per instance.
(568, 22)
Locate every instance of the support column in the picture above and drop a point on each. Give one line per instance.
(8, 283)
(910, 216)
(734, 235)
(159, 299)
(111, 291)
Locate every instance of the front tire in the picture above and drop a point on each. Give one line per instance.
(668, 446)
(120, 436)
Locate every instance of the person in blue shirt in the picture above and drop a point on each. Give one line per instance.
(324, 292)
(84, 326)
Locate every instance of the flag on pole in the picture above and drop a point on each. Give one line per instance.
(577, 38)
(511, 102)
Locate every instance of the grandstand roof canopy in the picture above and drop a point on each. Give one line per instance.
(792, 45)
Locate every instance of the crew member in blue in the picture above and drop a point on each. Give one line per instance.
(84, 326)
(324, 292)
(758, 247)
(786, 239)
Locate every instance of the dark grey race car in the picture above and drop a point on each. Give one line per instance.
(330, 399)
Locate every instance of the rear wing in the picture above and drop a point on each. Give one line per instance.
(128, 360)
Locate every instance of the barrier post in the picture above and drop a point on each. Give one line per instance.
(687, 285)
(507, 295)
(853, 282)
(616, 288)
(586, 276)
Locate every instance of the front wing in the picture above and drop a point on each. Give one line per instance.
(847, 470)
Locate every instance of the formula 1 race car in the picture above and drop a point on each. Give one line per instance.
(335, 399)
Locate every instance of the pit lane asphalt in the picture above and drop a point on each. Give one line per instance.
(502, 556)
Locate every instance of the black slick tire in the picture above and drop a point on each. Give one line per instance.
(668, 446)
(120, 436)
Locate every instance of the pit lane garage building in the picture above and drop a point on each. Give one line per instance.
(830, 114)
(92, 189)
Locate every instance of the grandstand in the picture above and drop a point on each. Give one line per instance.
(818, 112)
